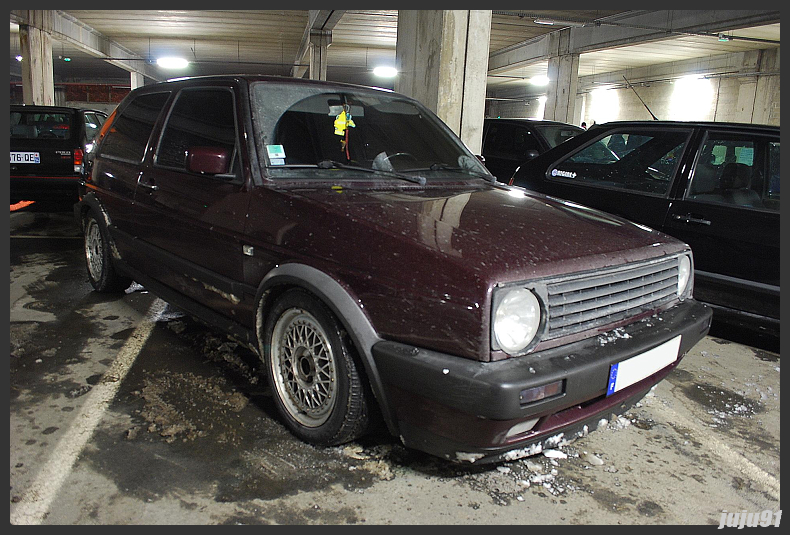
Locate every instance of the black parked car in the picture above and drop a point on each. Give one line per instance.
(352, 240)
(49, 145)
(713, 185)
(507, 143)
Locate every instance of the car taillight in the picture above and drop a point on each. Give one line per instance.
(78, 155)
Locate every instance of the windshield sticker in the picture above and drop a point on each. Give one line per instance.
(276, 154)
(564, 174)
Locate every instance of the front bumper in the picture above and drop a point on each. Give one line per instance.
(466, 410)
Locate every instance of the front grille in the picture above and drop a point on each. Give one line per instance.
(578, 303)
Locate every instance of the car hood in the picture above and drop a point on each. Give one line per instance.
(503, 233)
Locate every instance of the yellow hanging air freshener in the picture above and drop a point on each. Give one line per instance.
(342, 122)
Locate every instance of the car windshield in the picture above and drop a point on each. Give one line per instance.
(40, 125)
(311, 131)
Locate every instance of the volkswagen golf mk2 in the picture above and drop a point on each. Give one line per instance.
(379, 271)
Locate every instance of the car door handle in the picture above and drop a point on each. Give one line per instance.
(152, 187)
(689, 218)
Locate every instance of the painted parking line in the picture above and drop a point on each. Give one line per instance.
(35, 502)
(715, 444)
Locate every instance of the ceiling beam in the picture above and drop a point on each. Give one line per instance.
(321, 20)
(70, 30)
(632, 28)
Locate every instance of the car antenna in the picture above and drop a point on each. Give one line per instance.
(640, 98)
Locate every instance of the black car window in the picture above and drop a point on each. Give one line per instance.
(510, 141)
(129, 133)
(737, 169)
(41, 125)
(555, 134)
(199, 118)
(642, 161)
(93, 122)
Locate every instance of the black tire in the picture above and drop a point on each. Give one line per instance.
(316, 384)
(98, 259)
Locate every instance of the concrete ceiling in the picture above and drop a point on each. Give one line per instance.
(270, 41)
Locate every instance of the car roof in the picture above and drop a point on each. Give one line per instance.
(703, 124)
(41, 107)
(196, 80)
(530, 121)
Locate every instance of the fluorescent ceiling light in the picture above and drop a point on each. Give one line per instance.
(172, 63)
(539, 80)
(544, 22)
(385, 72)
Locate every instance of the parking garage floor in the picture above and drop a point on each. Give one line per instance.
(125, 411)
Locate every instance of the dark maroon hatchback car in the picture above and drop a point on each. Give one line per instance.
(355, 244)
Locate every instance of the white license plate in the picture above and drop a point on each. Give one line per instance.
(25, 157)
(636, 368)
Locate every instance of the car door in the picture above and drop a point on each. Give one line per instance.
(729, 215)
(123, 143)
(190, 220)
(507, 146)
(633, 181)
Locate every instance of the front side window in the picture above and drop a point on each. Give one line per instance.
(637, 160)
(200, 119)
(737, 169)
(310, 131)
(128, 134)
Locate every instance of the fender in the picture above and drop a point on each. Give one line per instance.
(90, 202)
(346, 310)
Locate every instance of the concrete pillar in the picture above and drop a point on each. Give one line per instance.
(319, 42)
(136, 79)
(563, 76)
(747, 88)
(38, 85)
(442, 59)
(766, 97)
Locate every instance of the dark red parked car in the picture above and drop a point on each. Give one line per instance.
(349, 238)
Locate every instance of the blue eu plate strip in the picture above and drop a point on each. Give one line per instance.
(612, 380)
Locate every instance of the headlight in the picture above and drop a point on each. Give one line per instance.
(516, 319)
(684, 275)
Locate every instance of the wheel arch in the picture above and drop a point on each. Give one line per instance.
(88, 203)
(345, 308)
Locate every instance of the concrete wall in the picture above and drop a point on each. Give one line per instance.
(741, 87)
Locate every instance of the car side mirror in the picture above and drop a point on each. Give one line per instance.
(208, 160)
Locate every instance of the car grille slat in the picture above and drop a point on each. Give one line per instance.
(587, 301)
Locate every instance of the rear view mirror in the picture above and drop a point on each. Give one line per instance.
(208, 160)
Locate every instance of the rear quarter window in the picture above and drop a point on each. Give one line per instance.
(128, 135)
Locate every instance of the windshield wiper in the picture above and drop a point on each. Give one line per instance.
(333, 164)
(446, 167)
